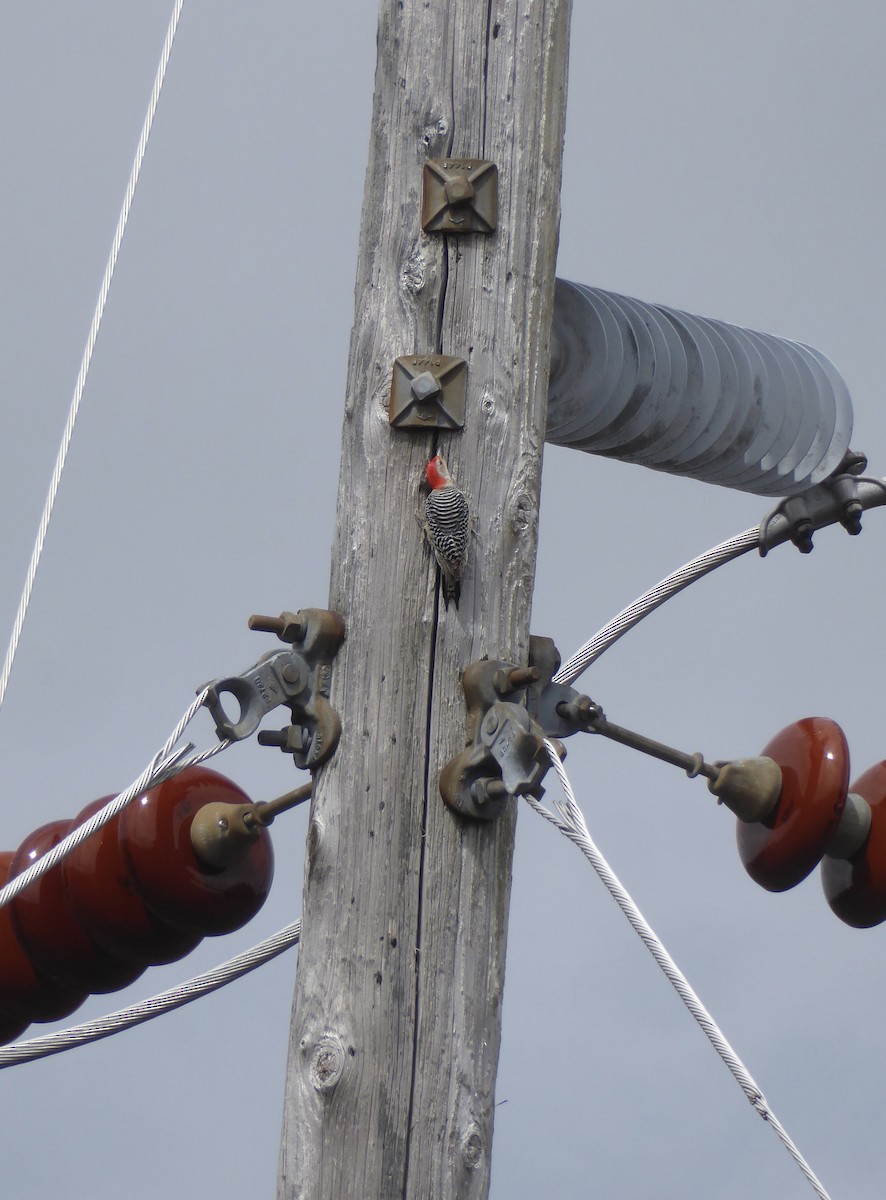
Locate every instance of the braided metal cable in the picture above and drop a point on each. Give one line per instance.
(165, 763)
(571, 823)
(649, 601)
(146, 1010)
(87, 355)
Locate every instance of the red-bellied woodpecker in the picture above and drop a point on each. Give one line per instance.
(447, 524)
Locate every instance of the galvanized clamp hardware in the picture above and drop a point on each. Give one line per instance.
(297, 677)
(748, 786)
(505, 754)
(842, 497)
(560, 710)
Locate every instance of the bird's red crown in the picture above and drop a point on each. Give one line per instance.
(437, 472)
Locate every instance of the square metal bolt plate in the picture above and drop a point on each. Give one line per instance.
(428, 392)
(459, 195)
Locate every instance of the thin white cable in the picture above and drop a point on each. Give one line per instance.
(165, 763)
(649, 601)
(145, 1010)
(571, 823)
(87, 355)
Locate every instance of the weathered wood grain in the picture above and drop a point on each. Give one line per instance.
(397, 1009)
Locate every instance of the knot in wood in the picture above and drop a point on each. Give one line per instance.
(472, 1147)
(413, 273)
(522, 513)
(327, 1062)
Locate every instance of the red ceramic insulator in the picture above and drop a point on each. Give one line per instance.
(173, 882)
(11, 1028)
(100, 887)
(781, 851)
(855, 887)
(25, 994)
(50, 931)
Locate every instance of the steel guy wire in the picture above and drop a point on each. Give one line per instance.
(155, 1006)
(571, 823)
(165, 763)
(718, 556)
(87, 353)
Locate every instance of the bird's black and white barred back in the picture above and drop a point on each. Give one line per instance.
(447, 524)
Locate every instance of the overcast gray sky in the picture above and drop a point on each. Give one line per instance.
(725, 159)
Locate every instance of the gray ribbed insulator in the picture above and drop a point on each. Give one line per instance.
(692, 396)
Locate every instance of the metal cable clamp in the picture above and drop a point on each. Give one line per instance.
(505, 753)
(842, 497)
(298, 677)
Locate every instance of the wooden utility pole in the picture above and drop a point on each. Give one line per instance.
(397, 1010)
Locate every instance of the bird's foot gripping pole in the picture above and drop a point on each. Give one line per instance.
(298, 677)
